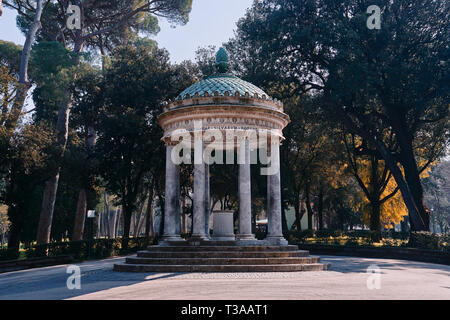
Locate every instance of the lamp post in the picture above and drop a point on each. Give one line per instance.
(91, 217)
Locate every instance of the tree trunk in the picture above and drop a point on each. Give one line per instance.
(320, 209)
(404, 224)
(113, 225)
(375, 223)
(117, 218)
(375, 214)
(51, 186)
(308, 207)
(78, 228)
(24, 85)
(126, 222)
(99, 225)
(149, 219)
(105, 215)
(340, 214)
(421, 222)
(412, 177)
(126, 213)
(48, 205)
(161, 220)
(138, 220)
(298, 215)
(284, 225)
(14, 232)
(91, 140)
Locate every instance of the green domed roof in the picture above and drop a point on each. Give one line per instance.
(222, 60)
(221, 83)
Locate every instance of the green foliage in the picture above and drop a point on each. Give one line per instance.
(135, 84)
(428, 240)
(8, 254)
(10, 56)
(53, 71)
(421, 240)
(376, 81)
(30, 157)
(101, 248)
(51, 59)
(106, 23)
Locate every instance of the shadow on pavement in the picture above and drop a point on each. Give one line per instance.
(346, 264)
(51, 283)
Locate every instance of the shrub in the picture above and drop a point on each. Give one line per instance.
(352, 243)
(426, 240)
(395, 235)
(324, 233)
(101, 248)
(9, 254)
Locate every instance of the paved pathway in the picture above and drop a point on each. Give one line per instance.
(347, 279)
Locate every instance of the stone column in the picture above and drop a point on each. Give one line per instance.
(207, 200)
(172, 200)
(198, 232)
(274, 232)
(245, 195)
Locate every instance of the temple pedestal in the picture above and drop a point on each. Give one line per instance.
(223, 226)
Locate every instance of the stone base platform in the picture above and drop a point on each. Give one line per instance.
(218, 256)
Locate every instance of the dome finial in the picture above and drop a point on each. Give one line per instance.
(222, 61)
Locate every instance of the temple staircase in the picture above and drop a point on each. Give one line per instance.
(220, 256)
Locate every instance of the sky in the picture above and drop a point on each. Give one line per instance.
(211, 22)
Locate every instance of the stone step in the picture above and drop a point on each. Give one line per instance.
(220, 268)
(201, 243)
(188, 248)
(221, 261)
(223, 254)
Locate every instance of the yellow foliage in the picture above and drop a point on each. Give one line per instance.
(393, 210)
(4, 222)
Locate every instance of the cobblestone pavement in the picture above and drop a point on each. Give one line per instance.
(347, 279)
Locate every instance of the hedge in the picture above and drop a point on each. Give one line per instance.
(104, 248)
(420, 240)
(428, 240)
(352, 234)
(8, 254)
(79, 250)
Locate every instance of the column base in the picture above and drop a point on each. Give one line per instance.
(224, 237)
(246, 237)
(199, 237)
(170, 238)
(276, 240)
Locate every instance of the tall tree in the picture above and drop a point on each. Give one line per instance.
(325, 46)
(136, 83)
(101, 23)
